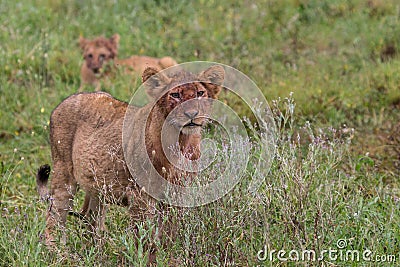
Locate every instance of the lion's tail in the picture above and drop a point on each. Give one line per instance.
(42, 177)
(166, 62)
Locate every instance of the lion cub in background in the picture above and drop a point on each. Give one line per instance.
(100, 55)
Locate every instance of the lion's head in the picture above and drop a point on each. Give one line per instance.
(99, 51)
(185, 98)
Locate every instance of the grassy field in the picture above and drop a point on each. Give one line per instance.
(335, 175)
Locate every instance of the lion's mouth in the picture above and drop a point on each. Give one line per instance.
(98, 72)
(192, 124)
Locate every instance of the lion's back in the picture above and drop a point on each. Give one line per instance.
(77, 111)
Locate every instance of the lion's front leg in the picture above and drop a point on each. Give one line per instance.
(143, 211)
(85, 206)
(95, 213)
(97, 86)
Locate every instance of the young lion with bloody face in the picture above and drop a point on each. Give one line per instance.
(87, 146)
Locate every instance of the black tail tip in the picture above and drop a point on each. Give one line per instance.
(43, 173)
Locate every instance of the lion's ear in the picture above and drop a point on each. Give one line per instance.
(212, 79)
(148, 72)
(115, 40)
(214, 74)
(82, 42)
(155, 82)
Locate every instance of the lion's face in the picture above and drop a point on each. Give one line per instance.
(95, 57)
(98, 52)
(185, 105)
(188, 117)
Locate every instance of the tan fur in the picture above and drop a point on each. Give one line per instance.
(86, 145)
(100, 59)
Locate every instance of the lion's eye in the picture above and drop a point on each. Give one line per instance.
(102, 57)
(175, 95)
(200, 93)
(90, 56)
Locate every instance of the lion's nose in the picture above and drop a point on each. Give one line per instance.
(191, 114)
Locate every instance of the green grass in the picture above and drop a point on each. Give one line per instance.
(326, 182)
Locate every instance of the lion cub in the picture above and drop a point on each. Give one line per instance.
(87, 148)
(100, 58)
